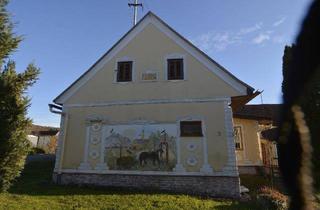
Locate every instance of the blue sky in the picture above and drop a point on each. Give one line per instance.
(64, 38)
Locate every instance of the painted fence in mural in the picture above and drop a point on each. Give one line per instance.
(149, 147)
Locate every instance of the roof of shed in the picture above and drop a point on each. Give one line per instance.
(260, 112)
(38, 130)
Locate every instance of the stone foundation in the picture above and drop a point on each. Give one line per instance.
(213, 186)
(248, 170)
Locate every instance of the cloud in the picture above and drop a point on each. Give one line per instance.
(218, 41)
(255, 34)
(279, 22)
(251, 29)
(262, 37)
(222, 40)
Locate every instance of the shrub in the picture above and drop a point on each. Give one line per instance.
(14, 145)
(270, 198)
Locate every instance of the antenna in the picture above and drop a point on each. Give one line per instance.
(261, 98)
(135, 6)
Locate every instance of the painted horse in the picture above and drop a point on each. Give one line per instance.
(154, 156)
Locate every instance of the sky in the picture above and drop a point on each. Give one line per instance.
(65, 37)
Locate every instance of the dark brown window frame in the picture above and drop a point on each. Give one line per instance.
(177, 74)
(185, 125)
(122, 76)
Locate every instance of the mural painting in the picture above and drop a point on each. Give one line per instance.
(149, 147)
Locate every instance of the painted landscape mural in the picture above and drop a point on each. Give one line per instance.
(149, 147)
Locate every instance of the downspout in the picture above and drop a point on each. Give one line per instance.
(63, 126)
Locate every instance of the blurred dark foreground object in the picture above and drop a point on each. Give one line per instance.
(299, 128)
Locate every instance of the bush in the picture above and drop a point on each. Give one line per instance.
(36, 150)
(270, 198)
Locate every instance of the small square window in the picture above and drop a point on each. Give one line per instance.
(238, 137)
(191, 128)
(124, 71)
(175, 69)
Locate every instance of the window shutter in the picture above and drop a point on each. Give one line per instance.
(175, 69)
(191, 129)
(124, 73)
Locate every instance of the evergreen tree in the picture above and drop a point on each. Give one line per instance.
(14, 145)
(310, 104)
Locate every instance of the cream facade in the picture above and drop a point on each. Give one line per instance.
(254, 152)
(249, 153)
(151, 126)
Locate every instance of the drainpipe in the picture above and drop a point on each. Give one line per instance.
(63, 126)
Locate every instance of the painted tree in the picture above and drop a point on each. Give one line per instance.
(14, 103)
(310, 104)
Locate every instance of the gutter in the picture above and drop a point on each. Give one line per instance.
(55, 109)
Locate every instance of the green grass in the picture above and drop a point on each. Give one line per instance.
(34, 190)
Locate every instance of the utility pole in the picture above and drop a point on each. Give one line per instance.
(135, 6)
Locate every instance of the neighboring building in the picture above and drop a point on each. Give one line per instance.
(255, 136)
(153, 112)
(43, 137)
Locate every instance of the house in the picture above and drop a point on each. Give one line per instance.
(255, 129)
(153, 112)
(43, 137)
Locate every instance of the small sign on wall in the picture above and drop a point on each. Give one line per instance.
(149, 76)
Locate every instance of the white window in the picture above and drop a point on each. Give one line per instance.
(237, 132)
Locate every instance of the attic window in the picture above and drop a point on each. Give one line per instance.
(191, 129)
(124, 71)
(175, 69)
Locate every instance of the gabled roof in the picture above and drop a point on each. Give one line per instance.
(179, 39)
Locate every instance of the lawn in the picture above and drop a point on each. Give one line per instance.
(34, 190)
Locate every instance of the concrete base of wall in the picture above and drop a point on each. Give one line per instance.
(251, 170)
(213, 186)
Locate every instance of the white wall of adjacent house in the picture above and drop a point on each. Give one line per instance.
(33, 140)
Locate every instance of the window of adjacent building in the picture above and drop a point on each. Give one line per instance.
(191, 128)
(238, 137)
(175, 69)
(124, 71)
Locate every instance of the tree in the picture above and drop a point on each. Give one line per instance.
(14, 103)
(310, 104)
